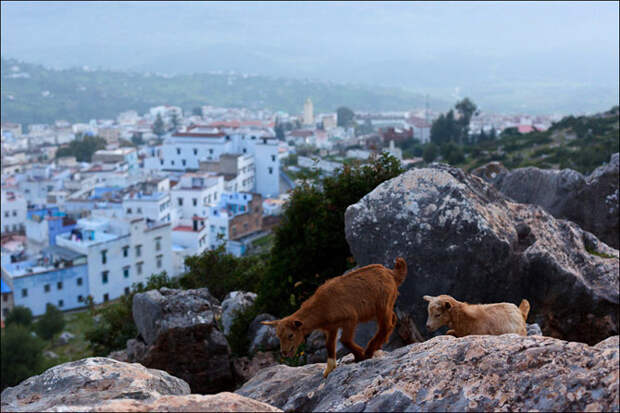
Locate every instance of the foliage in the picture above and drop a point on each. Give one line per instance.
(158, 126)
(222, 273)
(197, 111)
(124, 143)
(344, 116)
(50, 323)
(452, 153)
(238, 338)
(19, 315)
(82, 147)
(310, 245)
(116, 325)
(21, 355)
(430, 153)
(447, 128)
(137, 140)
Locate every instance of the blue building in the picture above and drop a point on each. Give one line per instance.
(43, 224)
(58, 277)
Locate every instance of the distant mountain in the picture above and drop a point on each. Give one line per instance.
(35, 94)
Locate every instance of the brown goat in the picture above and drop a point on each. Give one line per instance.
(365, 294)
(465, 319)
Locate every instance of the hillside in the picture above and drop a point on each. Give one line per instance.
(77, 95)
(581, 143)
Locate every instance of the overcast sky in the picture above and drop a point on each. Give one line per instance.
(439, 47)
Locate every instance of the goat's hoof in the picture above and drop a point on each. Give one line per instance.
(331, 365)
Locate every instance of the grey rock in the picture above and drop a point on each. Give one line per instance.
(534, 330)
(589, 201)
(234, 302)
(262, 338)
(136, 350)
(245, 368)
(180, 331)
(89, 382)
(119, 355)
(474, 373)
(50, 354)
(65, 337)
(460, 236)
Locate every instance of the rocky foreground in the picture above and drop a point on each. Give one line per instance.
(475, 373)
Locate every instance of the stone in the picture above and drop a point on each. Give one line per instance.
(474, 373)
(120, 355)
(64, 338)
(234, 302)
(88, 382)
(245, 368)
(533, 330)
(50, 354)
(589, 201)
(460, 236)
(262, 337)
(180, 331)
(136, 350)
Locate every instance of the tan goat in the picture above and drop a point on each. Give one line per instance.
(365, 294)
(466, 319)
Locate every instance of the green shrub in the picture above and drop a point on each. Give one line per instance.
(238, 338)
(21, 354)
(50, 323)
(19, 315)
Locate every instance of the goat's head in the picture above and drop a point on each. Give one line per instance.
(290, 333)
(438, 311)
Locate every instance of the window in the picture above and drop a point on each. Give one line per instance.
(183, 162)
(161, 162)
(106, 297)
(129, 210)
(234, 231)
(245, 226)
(244, 150)
(126, 290)
(139, 210)
(159, 258)
(80, 298)
(104, 277)
(126, 251)
(5, 297)
(212, 228)
(210, 151)
(46, 288)
(59, 285)
(180, 201)
(5, 311)
(195, 151)
(222, 229)
(178, 151)
(194, 201)
(104, 257)
(24, 292)
(61, 303)
(6, 214)
(79, 281)
(158, 244)
(138, 250)
(14, 213)
(139, 268)
(126, 272)
(171, 162)
(270, 170)
(273, 158)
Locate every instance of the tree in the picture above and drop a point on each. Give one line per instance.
(452, 153)
(310, 244)
(137, 140)
(174, 121)
(82, 147)
(197, 111)
(124, 143)
(19, 315)
(344, 116)
(279, 130)
(466, 109)
(21, 354)
(445, 129)
(430, 153)
(158, 126)
(51, 323)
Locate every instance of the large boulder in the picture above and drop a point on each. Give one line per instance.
(462, 237)
(89, 382)
(262, 337)
(182, 337)
(590, 201)
(105, 385)
(233, 303)
(474, 373)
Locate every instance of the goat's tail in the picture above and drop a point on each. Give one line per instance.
(400, 270)
(524, 307)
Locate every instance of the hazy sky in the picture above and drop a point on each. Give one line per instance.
(445, 48)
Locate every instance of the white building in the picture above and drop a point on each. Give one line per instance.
(154, 206)
(120, 253)
(14, 209)
(189, 237)
(195, 192)
(308, 112)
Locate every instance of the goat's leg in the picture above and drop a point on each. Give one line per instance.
(380, 336)
(390, 329)
(348, 331)
(330, 343)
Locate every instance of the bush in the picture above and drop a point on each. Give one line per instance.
(238, 338)
(310, 244)
(430, 153)
(21, 354)
(19, 315)
(116, 324)
(222, 273)
(50, 323)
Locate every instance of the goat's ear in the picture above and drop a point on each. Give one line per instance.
(428, 298)
(447, 305)
(270, 323)
(297, 323)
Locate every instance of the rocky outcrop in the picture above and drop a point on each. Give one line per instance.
(590, 201)
(234, 302)
(474, 373)
(462, 237)
(101, 384)
(181, 337)
(245, 367)
(262, 337)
